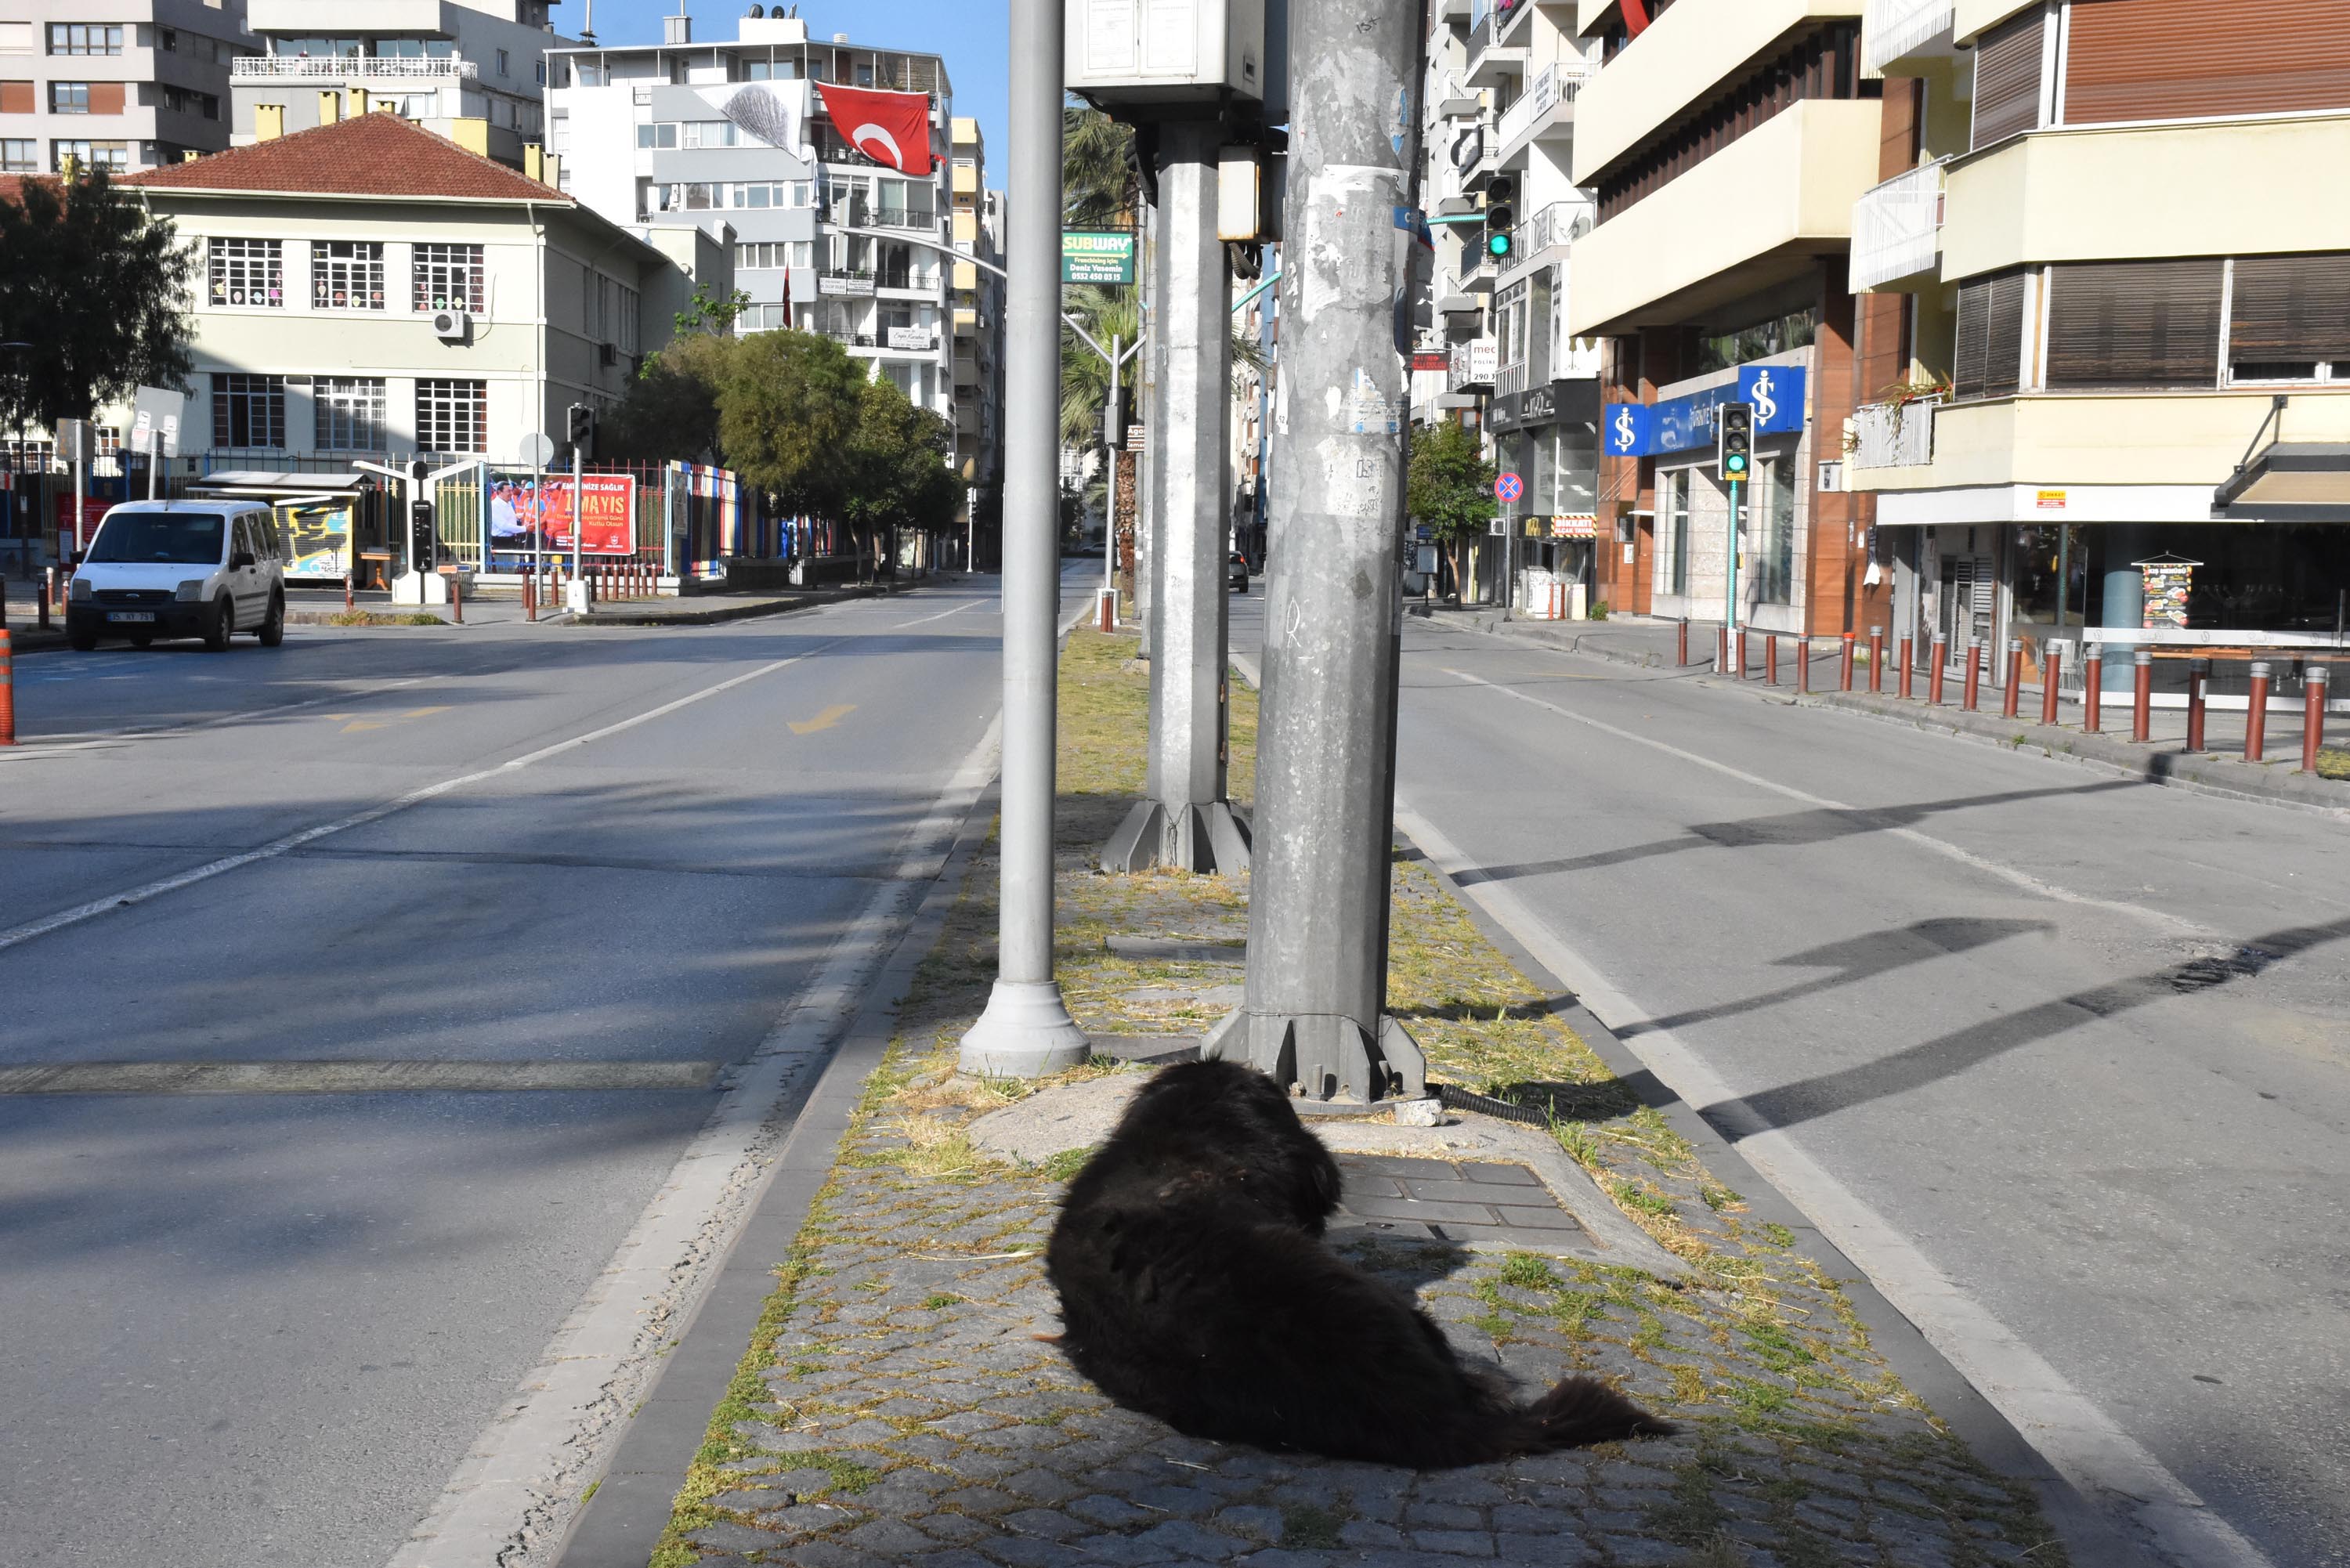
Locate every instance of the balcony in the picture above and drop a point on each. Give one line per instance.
(1902, 32)
(1895, 435)
(1553, 228)
(1491, 61)
(1897, 230)
(346, 68)
(1546, 106)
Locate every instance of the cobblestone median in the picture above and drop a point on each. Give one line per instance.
(898, 1404)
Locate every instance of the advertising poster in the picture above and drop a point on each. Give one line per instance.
(2168, 583)
(319, 535)
(523, 519)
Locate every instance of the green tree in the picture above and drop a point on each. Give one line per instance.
(671, 410)
(788, 403)
(1107, 312)
(1449, 489)
(895, 473)
(97, 288)
(1101, 180)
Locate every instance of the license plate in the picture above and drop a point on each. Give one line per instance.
(147, 615)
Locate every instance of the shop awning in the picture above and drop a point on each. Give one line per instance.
(2289, 481)
(260, 484)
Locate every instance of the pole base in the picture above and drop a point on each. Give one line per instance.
(1206, 838)
(1325, 1062)
(1026, 1032)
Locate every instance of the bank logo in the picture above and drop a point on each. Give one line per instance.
(1766, 406)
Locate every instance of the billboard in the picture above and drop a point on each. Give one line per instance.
(1096, 256)
(319, 533)
(527, 517)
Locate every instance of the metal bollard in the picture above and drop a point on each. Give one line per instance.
(1941, 654)
(48, 594)
(2313, 718)
(2092, 687)
(1875, 660)
(530, 597)
(457, 597)
(2142, 696)
(7, 689)
(2199, 681)
(1908, 666)
(1722, 651)
(1771, 660)
(1681, 644)
(350, 596)
(1844, 676)
(1105, 603)
(1741, 653)
(1804, 666)
(2256, 716)
(2051, 671)
(2014, 678)
(1972, 698)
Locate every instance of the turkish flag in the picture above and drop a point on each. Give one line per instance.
(892, 128)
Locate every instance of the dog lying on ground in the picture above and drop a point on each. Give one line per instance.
(1194, 1287)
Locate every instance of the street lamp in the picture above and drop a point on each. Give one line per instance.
(16, 352)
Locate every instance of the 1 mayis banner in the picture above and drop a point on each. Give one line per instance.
(527, 517)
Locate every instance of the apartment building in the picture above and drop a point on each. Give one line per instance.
(116, 86)
(732, 137)
(1726, 141)
(473, 70)
(2108, 375)
(976, 226)
(1503, 80)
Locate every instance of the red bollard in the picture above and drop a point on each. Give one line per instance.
(1804, 666)
(2256, 716)
(2014, 678)
(1741, 653)
(1722, 651)
(1941, 649)
(1844, 675)
(2142, 696)
(7, 689)
(2312, 719)
(457, 597)
(2092, 688)
(1681, 644)
(1771, 660)
(1876, 661)
(2199, 681)
(1909, 667)
(530, 597)
(1972, 698)
(1108, 601)
(2052, 665)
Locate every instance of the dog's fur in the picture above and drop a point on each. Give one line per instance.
(1194, 1287)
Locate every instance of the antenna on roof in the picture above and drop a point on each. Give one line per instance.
(587, 22)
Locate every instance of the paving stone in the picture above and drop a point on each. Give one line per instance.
(1420, 1515)
(1256, 1523)
(1050, 1523)
(1025, 1551)
(724, 1537)
(1281, 1557)
(1122, 1549)
(1559, 1549)
(1454, 1543)
(1363, 1533)
(834, 1555)
(1183, 1501)
(1185, 1539)
(961, 1529)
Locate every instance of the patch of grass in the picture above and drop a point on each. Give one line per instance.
(1779, 1234)
(1305, 1528)
(1065, 1166)
(1774, 1346)
(939, 1303)
(2333, 763)
(1528, 1272)
(1718, 1197)
(1647, 1200)
(589, 1495)
(377, 617)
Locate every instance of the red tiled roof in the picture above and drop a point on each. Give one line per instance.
(12, 186)
(378, 154)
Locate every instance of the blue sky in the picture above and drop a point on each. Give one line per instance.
(970, 34)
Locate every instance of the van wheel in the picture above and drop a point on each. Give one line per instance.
(272, 630)
(80, 640)
(220, 625)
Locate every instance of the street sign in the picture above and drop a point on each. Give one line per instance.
(1509, 488)
(538, 449)
(1098, 255)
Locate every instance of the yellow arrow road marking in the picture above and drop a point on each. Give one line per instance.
(423, 712)
(362, 724)
(826, 720)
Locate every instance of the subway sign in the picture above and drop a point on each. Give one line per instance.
(1098, 255)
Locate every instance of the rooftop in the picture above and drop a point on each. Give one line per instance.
(378, 154)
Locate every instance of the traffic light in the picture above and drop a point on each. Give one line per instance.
(1502, 217)
(423, 553)
(581, 430)
(1734, 448)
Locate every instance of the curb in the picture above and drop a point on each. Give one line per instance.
(719, 614)
(23, 639)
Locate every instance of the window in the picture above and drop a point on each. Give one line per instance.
(663, 134)
(502, 62)
(20, 155)
(249, 411)
(111, 156)
(542, 73)
(452, 416)
(246, 272)
(2290, 319)
(768, 255)
(346, 275)
(447, 277)
(1676, 500)
(2134, 324)
(2167, 59)
(630, 306)
(68, 98)
(168, 40)
(763, 318)
(2009, 65)
(85, 38)
(15, 37)
(708, 133)
(1989, 353)
(1771, 531)
(186, 100)
(350, 412)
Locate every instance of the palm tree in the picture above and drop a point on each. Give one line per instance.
(1107, 312)
(1101, 182)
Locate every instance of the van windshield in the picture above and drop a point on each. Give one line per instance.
(178, 539)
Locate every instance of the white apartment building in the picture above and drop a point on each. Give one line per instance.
(116, 86)
(730, 138)
(473, 70)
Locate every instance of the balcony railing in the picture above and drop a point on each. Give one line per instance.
(1492, 21)
(343, 68)
(1895, 435)
(1893, 28)
(1560, 223)
(1511, 379)
(1897, 228)
(1557, 81)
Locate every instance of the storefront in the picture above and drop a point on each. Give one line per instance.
(1549, 437)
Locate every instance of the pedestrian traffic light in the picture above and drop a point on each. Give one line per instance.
(1735, 449)
(423, 553)
(1501, 217)
(582, 427)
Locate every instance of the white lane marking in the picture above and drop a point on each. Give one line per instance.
(514, 1499)
(293, 841)
(2079, 1440)
(2020, 878)
(940, 616)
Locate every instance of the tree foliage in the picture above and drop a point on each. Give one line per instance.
(1448, 488)
(787, 408)
(1101, 180)
(97, 287)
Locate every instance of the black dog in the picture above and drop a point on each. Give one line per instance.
(1195, 1288)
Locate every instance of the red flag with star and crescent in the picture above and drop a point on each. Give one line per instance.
(892, 128)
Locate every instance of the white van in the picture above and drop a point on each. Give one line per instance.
(180, 568)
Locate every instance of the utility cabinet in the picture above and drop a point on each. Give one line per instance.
(1141, 53)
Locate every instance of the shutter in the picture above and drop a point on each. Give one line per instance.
(2290, 309)
(106, 97)
(1970, 357)
(2134, 324)
(1989, 360)
(2171, 59)
(16, 97)
(2007, 78)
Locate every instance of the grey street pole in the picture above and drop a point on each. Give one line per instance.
(1149, 498)
(1113, 438)
(1026, 1029)
(1314, 1017)
(1185, 821)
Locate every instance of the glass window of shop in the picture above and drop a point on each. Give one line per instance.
(1673, 498)
(2244, 576)
(1573, 484)
(1771, 532)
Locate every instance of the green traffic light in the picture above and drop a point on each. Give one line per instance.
(1498, 244)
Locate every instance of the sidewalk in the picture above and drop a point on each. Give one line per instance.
(896, 1405)
(2218, 769)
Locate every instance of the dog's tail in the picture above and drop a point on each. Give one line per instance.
(1583, 1410)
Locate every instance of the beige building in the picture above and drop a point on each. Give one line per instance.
(116, 86)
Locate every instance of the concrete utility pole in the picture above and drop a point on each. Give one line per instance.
(1186, 821)
(1150, 398)
(1315, 1016)
(1026, 1029)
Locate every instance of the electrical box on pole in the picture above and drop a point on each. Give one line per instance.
(1134, 53)
(1734, 443)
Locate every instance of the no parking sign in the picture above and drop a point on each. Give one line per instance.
(1509, 487)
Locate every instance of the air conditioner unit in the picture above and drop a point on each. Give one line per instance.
(452, 325)
(607, 353)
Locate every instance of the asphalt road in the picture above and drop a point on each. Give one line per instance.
(263, 1328)
(2082, 1044)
